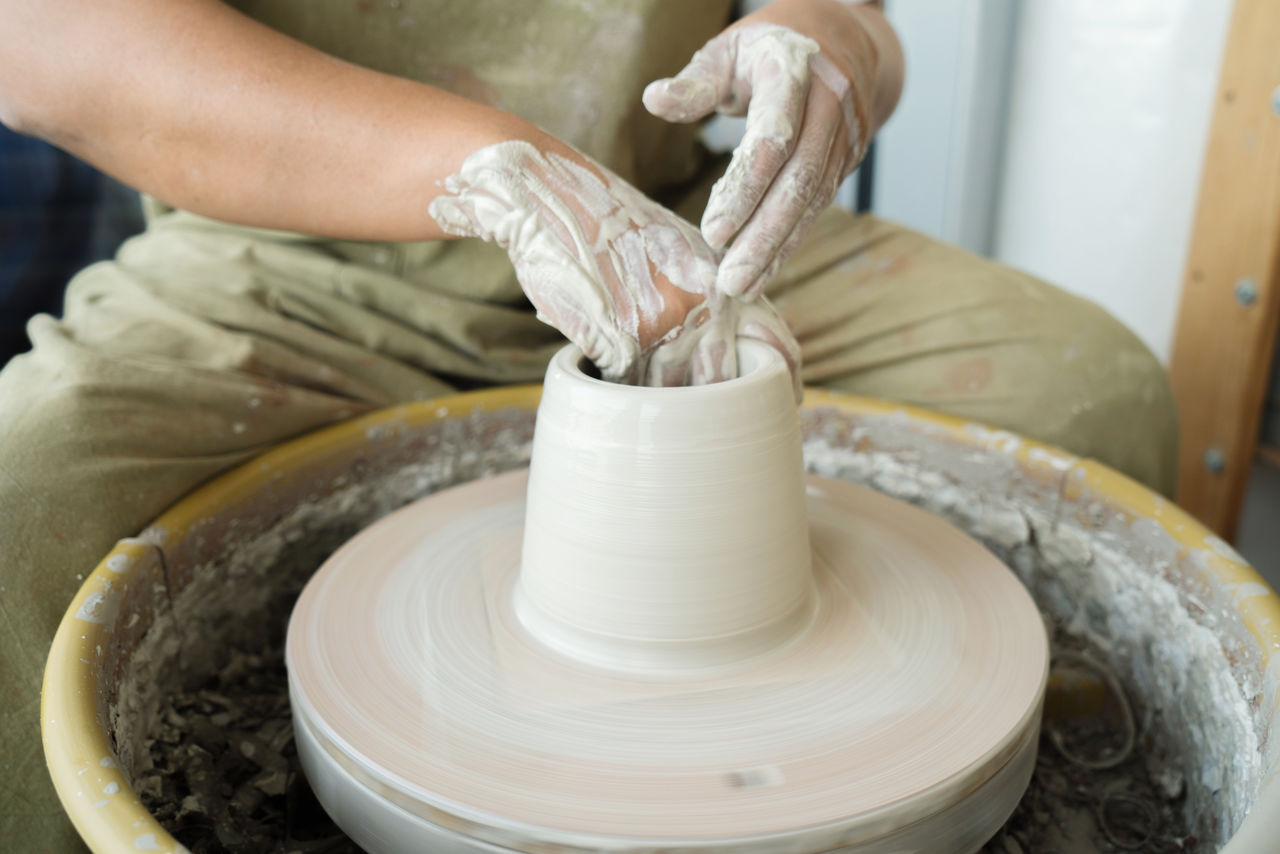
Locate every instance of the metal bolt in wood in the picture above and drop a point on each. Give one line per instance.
(1246, 291)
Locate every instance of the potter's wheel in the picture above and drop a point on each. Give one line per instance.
(663, 636)
(917, 681)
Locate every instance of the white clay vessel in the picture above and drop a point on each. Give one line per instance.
(666, 528)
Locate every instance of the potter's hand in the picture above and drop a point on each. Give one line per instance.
(815, 78)
(629, 282)
(706, 351)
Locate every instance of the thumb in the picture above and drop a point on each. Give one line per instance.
(698, 89)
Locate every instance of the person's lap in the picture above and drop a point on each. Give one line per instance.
(202, 346)
(886, 312)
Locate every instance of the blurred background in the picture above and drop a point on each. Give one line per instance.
(57, 215)
(1064, 137)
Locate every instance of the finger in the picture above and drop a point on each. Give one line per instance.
(820, 202)
(784, 204)
(575, 297)
(761, 322)
(699, 88)
(671, 363)
(770, 270)
(715, 355)
(774, 118)
(715, 359)
(681, 99)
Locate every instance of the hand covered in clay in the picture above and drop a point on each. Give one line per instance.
(629, 282)
(807, 75)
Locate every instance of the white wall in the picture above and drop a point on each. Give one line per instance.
(938, 159)
(1108, 120)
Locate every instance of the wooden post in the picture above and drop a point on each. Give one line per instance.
(1231, 291)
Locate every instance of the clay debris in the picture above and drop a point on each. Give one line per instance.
(225, 775)
(1096, 787)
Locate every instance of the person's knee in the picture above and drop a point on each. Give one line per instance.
(949, 331)
(44, 457)
(1104, 395)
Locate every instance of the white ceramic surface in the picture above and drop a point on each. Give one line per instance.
(666, 527)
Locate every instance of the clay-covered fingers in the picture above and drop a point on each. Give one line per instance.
(760, 321)
(714, 356)
(700, 88)
(827, 189)
(774, 119)
(628, 281)
(575, 308)
(767, 143)
(795, 150)
(764, 70)
(709, 352)
(802, 188)
(801, 229)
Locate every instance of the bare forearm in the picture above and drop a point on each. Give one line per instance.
(864, 35)
(214, 113)
(890, 68)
